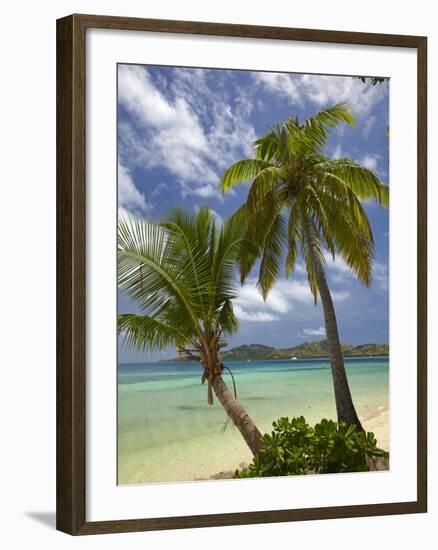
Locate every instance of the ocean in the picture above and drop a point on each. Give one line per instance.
(167, 432)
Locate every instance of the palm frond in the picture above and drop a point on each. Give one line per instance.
(225, 261)
(142, 333)
(362, 181)
(312, 249)
(332, 117)
(182, 275)
(227, 319)
(351, 235)
(193, 239)
(311, 136)
(264, 183)
(292, 238)
(271, 255)
(291, 171)
(153, 273)
(272, 146)
(241, 172)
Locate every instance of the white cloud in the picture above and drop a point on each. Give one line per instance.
(160, 188)
(381, 275)
(299, 268)
(287, 296)
(340, 296)
(204, 191)
(250, 306)
(285, 85)
(324, 90)
(250, 299)
(368, 125)
(129, 197)
(338, 270)
(295, 290)
(373, 162)
(191, 130)
(340, 273)
(122, 213)
(255, 316)
(370, 161)
(320, 331)
(337, 152)
(337, 267)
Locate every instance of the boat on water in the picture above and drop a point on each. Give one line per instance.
(294, 358)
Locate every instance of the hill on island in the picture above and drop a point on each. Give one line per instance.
(307, 350)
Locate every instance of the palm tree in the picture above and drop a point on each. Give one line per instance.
(300, 199)
(181, 274)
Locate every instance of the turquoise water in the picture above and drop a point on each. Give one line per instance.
(168, 432)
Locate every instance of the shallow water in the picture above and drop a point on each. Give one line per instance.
(168, 432)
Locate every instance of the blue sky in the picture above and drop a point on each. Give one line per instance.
(179, 128)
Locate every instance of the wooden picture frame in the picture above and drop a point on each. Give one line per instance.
(71, 273)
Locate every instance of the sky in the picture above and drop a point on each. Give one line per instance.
(180, 128)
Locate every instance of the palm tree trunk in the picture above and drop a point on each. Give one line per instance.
(238, 415)
(344, 403)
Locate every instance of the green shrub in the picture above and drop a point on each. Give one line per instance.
(295, 448)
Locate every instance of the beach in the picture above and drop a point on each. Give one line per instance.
(379, 425)
(167, 432)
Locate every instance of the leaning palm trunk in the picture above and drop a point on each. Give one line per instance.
(213, 367)
(238, 415)
(344, 403)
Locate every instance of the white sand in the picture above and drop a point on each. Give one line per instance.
(379, 425)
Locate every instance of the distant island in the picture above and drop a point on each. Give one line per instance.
(308, 350)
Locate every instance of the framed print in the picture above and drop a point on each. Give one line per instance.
(241, 274)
